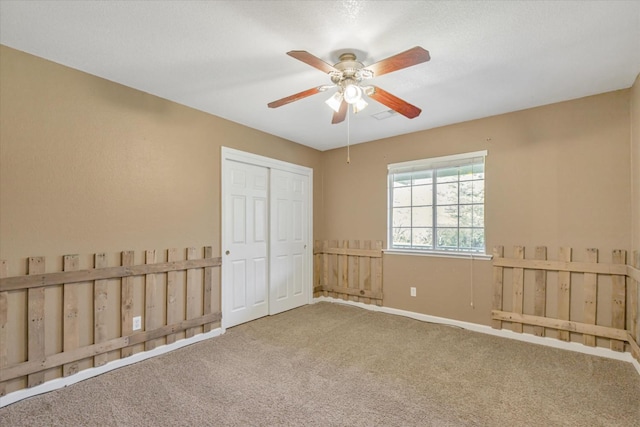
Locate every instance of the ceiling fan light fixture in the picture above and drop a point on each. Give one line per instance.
(335, 101)
(352, 94)
(360, 105)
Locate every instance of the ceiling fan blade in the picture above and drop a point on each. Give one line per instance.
(294, 97)
(314, 61)
(395, 103)
(408, 58)
(339, 115)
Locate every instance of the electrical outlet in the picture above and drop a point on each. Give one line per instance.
(137, 323)
(413, 291)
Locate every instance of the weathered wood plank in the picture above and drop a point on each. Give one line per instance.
(153, 302)
(317, 268)
(562, 325)
(100, 301)
(354, 269)
(70, 326)
(4, 329)
(35, 311)
(343, 268)
(194, 304)
(634, 300)
(126, 302)
(325, 267)
(376, 265)
(635, 348)
(498, 277)
(371, 253)
(550, 265)
(518, 288)
(207, 295)
(333, 269)
(173, 309)
(618, 299)
(356, 292)
(368, 283)
(540, 297)
(60, 278)
(564, 292)
(634, 272)
(590, 286)
(27, 368)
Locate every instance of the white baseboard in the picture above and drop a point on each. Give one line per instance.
(93, 372)
(550, 342)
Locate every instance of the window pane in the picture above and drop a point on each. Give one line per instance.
(447, 238)
(466, 216)
(478, 216)
(447, 216)
(401, 217)
(478, 171)
(422, 177)
(422, 217)
(423, 237)
(447, 175)
(478, 191)
(423, 195)
(447, 194)
(402, 196)
(466, 238)
(478, 239)
(466, 192)
(439, 209)
(466, 172)
(401, 236)
(401, 180)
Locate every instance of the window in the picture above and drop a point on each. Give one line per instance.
(437, 205)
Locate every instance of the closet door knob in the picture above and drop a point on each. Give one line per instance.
(227, 253)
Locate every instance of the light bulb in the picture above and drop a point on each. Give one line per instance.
(352, 94)
(360, 105)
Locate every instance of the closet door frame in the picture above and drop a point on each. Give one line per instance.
(255, 159)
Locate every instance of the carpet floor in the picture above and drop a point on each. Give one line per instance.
(335, 365)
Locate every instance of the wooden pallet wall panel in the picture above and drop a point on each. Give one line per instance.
(577, 303)
(88, 314)
(349, 269)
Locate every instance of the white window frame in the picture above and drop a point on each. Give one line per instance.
(425, 165)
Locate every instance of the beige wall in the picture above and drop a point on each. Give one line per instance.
(557, 175)
(89, 165)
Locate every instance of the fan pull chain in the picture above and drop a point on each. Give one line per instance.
(348, 144)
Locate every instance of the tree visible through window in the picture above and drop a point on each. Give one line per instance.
(438, 204)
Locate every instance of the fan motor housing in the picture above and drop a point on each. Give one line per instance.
(348, 67)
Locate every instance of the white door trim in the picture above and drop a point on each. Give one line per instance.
(255, 159)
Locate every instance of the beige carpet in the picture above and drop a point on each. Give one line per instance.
(334, 365)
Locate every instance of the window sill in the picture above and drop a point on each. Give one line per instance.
(460, 255)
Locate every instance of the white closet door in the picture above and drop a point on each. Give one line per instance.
(245, 247)
(289, 285)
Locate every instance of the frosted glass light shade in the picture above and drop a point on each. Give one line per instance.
(335, 101)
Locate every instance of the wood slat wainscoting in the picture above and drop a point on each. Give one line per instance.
(349, 269)
(76, 319)
(621, 296)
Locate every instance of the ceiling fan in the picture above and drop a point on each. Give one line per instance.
(348, 74)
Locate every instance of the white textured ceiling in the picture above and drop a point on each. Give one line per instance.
(228, 57)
